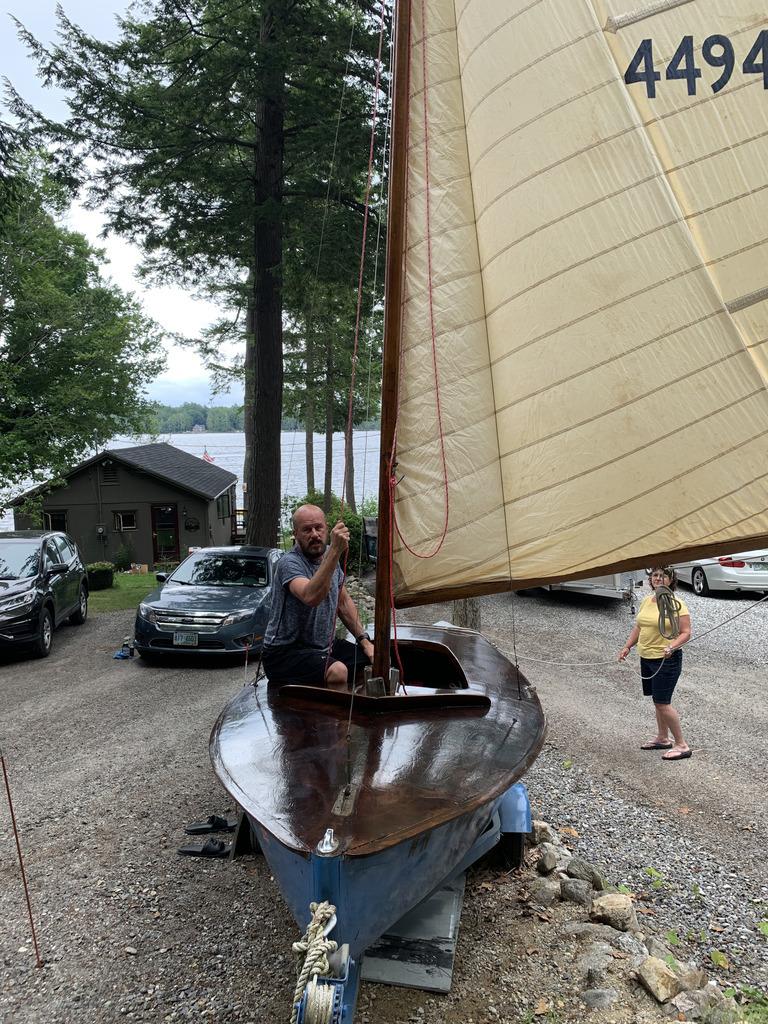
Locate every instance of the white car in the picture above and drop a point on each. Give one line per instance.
(746, 571)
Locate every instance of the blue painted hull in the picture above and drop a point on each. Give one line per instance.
(372, 893)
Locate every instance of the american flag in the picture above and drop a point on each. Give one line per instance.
(207, 457)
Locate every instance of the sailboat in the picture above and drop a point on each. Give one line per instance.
(575, 383)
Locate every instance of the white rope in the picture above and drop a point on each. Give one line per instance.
(319, 1005)
(312, 959)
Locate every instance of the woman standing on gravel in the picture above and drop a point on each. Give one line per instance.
(661, 662)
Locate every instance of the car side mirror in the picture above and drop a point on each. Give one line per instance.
(161, 577)
(58, 568)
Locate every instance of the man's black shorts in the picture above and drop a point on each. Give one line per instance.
(307, 665)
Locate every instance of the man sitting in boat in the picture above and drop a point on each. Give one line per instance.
(307, 593)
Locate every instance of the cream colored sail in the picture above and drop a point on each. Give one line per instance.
(588, 265)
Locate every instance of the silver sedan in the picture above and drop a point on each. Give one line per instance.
(746, 571)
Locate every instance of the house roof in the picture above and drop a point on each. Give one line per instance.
(185, 471)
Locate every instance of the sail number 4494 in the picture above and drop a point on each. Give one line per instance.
(716, 50)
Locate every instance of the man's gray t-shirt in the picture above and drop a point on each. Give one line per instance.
(292, 622)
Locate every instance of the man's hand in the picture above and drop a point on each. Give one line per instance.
(367, 648)
(340, 539)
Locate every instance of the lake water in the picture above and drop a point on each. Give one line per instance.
(228, 451)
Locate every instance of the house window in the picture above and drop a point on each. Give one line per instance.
(125, 521)
(223, 507)
(55, 520)
(108, 472)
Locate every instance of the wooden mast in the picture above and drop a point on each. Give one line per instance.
(393, 316)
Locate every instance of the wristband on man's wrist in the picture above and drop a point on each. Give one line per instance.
(363, 636)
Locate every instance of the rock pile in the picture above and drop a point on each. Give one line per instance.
(615, 948)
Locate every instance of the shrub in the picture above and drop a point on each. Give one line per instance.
(125, 557)
(352, 520)
(101, 575)
(166, 566)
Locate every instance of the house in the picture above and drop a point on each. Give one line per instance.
(154, 499)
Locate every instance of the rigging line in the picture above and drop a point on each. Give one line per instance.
(374, 289)
(430, 291)
(692, 639)
(363, 247)
(348, 434)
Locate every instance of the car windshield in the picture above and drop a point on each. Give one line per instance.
(19, 559)
(220, 570)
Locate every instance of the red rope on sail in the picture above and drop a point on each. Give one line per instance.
(430, 291)
(358, 312)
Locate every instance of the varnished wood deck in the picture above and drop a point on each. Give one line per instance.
(288, 764)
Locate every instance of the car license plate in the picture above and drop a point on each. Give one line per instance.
(185, 639)
(760, 566)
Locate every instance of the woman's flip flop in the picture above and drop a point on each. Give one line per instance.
(655, 745)
(680, 755)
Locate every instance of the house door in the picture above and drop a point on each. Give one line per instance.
(165, 533)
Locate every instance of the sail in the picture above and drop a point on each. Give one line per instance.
(584, 368)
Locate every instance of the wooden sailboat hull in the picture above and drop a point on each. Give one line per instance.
(406, 793)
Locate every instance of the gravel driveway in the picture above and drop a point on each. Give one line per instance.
(108, 759)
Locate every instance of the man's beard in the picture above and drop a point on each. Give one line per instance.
(313, 549)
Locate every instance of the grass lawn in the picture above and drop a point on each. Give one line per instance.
(126, 592)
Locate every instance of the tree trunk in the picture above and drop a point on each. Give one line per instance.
(349, 469)
(466, 613)
(328, 482)
(262, 472)
(309, 410)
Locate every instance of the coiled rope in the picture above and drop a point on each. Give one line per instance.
(311, 953)
(669, 612)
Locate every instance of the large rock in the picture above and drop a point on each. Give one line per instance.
(593, 966)
(657, 948)
(578, 868)
(547, 861)
(692, 1005)
(619, 940)
(600, 998)
(543, 833)
(661, 982)
(690, 976)
(615, 909)
(544, 891)
(576, 890)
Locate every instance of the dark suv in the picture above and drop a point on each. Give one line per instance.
(42, 582)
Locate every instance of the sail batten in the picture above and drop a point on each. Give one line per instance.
(587, 257)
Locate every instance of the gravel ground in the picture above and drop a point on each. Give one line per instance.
(108, 760)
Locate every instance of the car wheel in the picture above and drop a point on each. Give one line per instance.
(41, 647)
(699, 582)
(78, 618)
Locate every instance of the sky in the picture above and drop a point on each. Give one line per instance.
(185, 378)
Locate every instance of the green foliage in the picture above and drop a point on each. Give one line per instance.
(755, 1010)
(352, 520)
(671, 963)
(567, 764)
(100, 575)
(124, 557)
(763, 927)
(657, 878)
(75, 351)
(672, 937)
(719, 959)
